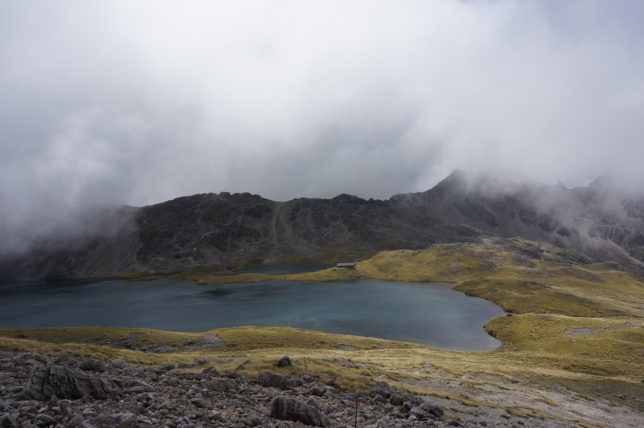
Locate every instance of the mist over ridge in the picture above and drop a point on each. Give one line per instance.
(220, 231)
(120, 103)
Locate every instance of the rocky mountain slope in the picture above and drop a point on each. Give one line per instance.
(227, 230)
(599, 220)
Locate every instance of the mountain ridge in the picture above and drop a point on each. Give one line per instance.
(227, 230)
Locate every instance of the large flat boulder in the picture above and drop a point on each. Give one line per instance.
(273, 380)
(47, 381)
(290, 409)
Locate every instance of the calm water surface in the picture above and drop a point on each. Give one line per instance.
(428, 313)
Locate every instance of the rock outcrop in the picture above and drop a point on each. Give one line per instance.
(284, 362)
(426, 411)
(46, 391)
(273, 380)
(290, 409)
(92, 365)
(45, 382)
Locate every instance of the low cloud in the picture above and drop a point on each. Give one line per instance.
(117, 102)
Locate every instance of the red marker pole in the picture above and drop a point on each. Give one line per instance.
(357, 405)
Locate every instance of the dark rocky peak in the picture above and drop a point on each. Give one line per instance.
(244, 196)
(456, 182)
(348, 199)
(203, 201)
(183, 201)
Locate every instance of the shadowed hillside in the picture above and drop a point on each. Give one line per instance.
(225, 231)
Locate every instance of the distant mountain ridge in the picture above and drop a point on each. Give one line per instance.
(224, 230)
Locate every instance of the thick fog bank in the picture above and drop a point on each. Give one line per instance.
(118, 102)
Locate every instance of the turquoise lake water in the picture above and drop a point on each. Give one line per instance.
(427, 313)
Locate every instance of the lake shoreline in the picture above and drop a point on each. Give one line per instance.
(425, 313)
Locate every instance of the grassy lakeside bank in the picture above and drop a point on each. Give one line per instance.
(576, 334)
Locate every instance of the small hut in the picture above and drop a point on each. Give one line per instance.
(346, 265)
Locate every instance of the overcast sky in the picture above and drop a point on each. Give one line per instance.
(141, 101)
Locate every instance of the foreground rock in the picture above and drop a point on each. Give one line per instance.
(284, 362)
(290, 409)
(92, 365)
(273, 380)
(46, 382)
(426, 411)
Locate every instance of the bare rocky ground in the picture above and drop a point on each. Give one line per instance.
(65, 391)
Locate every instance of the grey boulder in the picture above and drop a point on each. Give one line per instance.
(118, 364)
(290, 409)
(6, 421)
(92, 365)
(220, 385)
(426, 411)
(273, 380)
(116, 420)
(43, 420)
(47, 381)
(284, 362)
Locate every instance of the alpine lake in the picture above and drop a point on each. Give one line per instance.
(428, 313)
